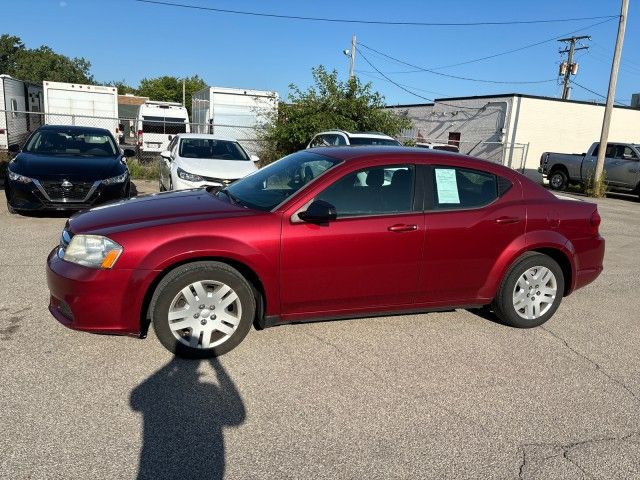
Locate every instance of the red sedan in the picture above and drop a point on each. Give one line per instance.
(324, 234)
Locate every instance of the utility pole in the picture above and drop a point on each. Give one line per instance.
(608, 110)
(352, 59)
(569, 68)
(183, 91)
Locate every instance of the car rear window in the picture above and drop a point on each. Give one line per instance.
(164, 125)
(373, 141)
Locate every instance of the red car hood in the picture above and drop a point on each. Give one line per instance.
(154, 210)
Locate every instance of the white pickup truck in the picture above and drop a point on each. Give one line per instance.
(621, 166)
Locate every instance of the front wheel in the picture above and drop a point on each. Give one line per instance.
(531, 291)
(202, 309)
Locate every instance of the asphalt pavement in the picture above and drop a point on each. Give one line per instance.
(440, 395)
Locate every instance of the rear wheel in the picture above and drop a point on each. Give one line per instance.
(558, 180)
(531, 291)
(202, 309)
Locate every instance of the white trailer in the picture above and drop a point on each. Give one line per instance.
(233, 113)
(18, 97)
(86, 105)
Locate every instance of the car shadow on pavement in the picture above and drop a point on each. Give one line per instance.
(184, 414)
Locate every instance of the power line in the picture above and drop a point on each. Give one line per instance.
(402, 87)
(457, 77)
(596, 93)
(373, 22)
(531, 45)
(371, 75)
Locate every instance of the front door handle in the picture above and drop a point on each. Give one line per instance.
(401, 227)
(507, 220)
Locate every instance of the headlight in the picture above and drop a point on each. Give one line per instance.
(189, 177)
(17, 178)
(117, 179)
(92, 251)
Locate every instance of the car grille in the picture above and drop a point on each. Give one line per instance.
(222, 181)
(77, 192)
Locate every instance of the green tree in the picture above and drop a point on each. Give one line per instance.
(330, 103)
(168, 88)
(38, 64)
(10, 45)
(122, 86)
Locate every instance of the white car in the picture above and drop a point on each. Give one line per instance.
(195, 160)
(447, 147)
(338, 138)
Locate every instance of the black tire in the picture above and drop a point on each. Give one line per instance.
(184, 276)
(558, 179)
(160, 185)
(503, 303)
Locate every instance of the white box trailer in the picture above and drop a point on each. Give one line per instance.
(233, 112)
(86, 105)
(17, 98)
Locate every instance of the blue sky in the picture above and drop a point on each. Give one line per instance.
(127, 40)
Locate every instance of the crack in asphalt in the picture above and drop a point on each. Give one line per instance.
(595, 364)
(451, 411)
(565, 451)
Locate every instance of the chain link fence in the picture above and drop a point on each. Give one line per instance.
(148, 138)
(513, 155)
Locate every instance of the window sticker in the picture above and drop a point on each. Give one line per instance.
(447, 186)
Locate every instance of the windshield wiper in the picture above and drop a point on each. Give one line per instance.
(232, 198)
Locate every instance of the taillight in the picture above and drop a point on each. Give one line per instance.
(594, 222)
(139, 138)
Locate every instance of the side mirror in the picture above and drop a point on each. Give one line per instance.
(129, 152)
(170, 137)
(166, 155)
(319, 212)
(14, 148)
(254, 158)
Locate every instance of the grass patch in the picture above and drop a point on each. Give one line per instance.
(149, 170)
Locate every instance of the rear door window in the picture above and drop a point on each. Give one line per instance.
(164, 125)
(462, 188)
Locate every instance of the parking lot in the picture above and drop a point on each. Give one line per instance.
(421, 396)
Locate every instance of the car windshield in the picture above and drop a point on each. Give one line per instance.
(271, 185)
(71, 142)
(212, 149)
(373, 141)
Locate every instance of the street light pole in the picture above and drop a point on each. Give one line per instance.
(608, 110)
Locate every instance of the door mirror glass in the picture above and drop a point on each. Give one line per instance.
(319, 212)
(166, 155)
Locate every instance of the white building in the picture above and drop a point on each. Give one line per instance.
(514, 129)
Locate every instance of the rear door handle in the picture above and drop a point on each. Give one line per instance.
(401, 227)
(507, 220)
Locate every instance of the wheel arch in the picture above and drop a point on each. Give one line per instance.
(549, 243)
(245, 270)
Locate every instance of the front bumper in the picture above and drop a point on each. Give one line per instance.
(95, 300)
(34, 196)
